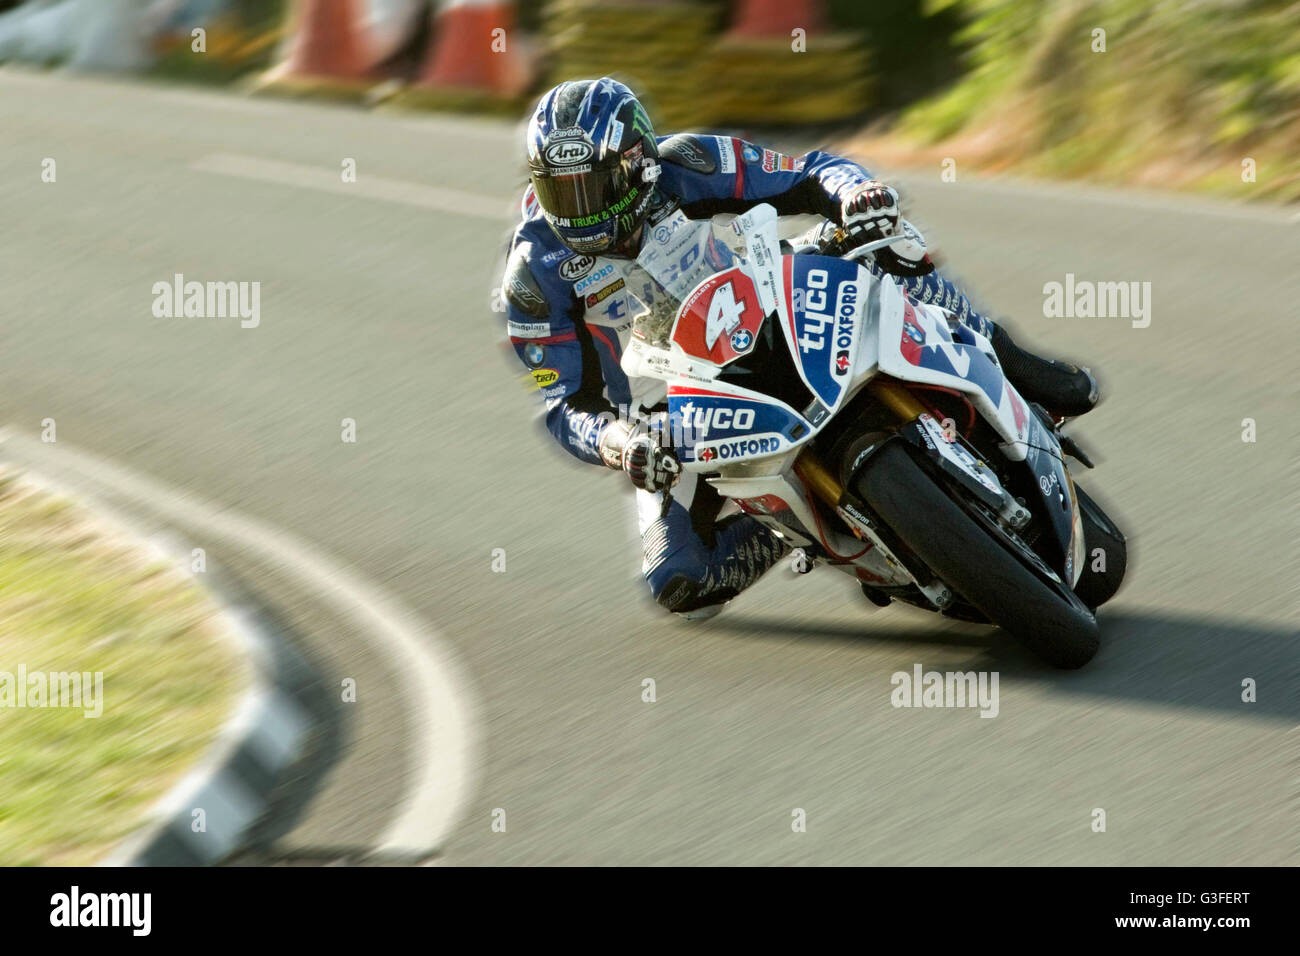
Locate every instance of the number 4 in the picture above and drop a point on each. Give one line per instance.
(724, 314)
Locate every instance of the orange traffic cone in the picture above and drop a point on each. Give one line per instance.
(771, 18)
(473, 50)
(329, 40)
(328, 50)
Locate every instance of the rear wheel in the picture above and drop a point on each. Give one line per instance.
(969, 559)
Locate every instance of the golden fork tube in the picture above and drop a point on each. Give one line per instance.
(817, 477)
(896, 398)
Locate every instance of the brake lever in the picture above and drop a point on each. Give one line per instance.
(1071, 448)
(860, 251)
(668, 490)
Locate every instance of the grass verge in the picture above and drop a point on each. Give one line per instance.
(77, 595)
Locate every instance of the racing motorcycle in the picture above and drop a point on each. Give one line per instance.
(877, 434)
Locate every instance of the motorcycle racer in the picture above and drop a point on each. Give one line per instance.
(602, 183)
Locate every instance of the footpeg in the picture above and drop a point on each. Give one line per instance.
(1071, 448)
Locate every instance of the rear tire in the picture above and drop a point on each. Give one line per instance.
(973, 563)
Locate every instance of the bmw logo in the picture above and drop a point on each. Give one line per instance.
(913, 332)
(534, 354)
(741, 340)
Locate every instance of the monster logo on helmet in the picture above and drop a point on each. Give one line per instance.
(641, 122)
(594, 161)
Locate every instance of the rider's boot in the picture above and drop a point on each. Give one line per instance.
(1065, 390)
(694, 578)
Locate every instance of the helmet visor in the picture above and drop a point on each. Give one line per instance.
(585, 198)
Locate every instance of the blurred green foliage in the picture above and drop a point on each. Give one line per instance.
(911, 45)
(1213, 76)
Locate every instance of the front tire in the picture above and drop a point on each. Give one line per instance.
(972, 562)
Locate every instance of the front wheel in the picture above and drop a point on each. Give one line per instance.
(972, 562)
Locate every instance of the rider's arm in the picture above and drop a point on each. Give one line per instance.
(558, 352)
(716, 174)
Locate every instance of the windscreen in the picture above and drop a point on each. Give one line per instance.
(677, 257)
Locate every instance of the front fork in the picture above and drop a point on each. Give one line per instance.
(818, 477)
(830, 491)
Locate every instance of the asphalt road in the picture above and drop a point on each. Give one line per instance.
(374, 307)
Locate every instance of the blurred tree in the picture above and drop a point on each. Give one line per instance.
(913, 48)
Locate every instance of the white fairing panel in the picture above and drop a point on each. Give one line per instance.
(917, 345)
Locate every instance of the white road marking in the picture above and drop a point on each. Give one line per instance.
(439, 702)
(436, 198)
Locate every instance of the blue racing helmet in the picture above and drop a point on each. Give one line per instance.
(593, 160)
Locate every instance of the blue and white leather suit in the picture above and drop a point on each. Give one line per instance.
(569, 320)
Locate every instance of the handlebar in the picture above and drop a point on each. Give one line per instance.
(862, 250)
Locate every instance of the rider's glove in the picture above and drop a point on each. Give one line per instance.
(907, 256)
(648, 465)
(872, 206)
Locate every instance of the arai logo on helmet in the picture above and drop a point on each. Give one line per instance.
(574, 268)
(571, 148)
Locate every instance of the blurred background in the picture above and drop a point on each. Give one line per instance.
(1112, 140)
(1144, 91)
(1113, 90)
